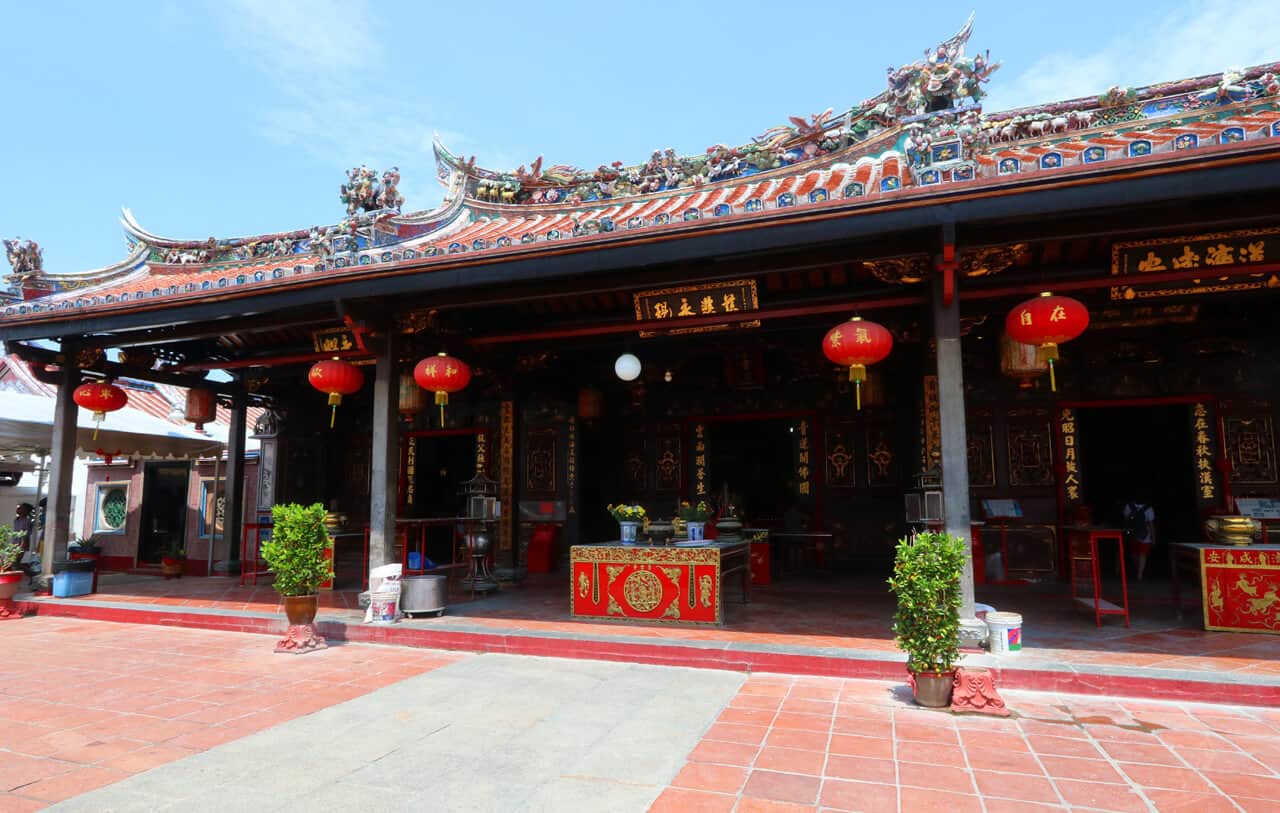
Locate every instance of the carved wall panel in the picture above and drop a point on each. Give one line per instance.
(882, 461)
(635, 465)
(839, 458)
(1030, 448)
(540, 463)
(668, 470)
(1251, 449)
(982, 455)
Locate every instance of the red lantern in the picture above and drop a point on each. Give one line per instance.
(442, 374)
(337, 378)
(855, 344)
(101, 397)
(1046, 322)
(202, 408)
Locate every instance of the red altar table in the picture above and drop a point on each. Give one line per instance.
(1239, 584)
(663, 583)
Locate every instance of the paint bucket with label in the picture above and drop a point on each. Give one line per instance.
(1006, 633)
(383, 607)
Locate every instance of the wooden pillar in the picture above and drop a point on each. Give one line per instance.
(62, 459)
(384, 461)
(234, 488)
(955, 448)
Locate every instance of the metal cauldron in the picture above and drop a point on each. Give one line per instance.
(424, 594)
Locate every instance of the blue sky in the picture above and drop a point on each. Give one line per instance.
(240, 117)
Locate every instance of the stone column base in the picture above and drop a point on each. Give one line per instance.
(299, 639)
(975, 692)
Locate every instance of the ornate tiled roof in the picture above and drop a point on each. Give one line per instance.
(924, 135)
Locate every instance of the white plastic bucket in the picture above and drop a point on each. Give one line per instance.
(1006, 633)
(382, 607)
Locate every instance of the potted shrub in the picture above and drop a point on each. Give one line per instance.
(295, 554)
(10, 577)
(629, 517)
(171, 562)
(926, 581)
(695, 517)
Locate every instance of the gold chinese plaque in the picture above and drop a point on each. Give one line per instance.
(1213, 253)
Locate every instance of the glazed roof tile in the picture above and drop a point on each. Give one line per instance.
(875, 152)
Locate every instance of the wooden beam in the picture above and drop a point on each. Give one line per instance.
(618, 328)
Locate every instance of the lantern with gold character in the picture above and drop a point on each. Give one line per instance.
(336, 378)
(442, 374)
(856, 344)
(100, 397)
(1046, 322)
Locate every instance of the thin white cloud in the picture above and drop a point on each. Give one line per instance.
(1182, 41)
(307, 38)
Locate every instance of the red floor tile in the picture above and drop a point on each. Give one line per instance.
(1100, 796)
(918, 800)
(935, 777)
(1020, 787)
(680, 800)
(863, 797)
(782, 787)
(717, 778)
(1177, 801)
(1089, 770)
(748, 804)
(853, 745)
(791, 760)
(1064, 746)
(723, 753)
(863, 769)
(930, 753)
(1167, 777)
(796, 738)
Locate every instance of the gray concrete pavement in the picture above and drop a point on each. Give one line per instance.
(489, 733)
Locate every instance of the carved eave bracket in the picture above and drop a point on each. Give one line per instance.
(986, 261)
(910, 270)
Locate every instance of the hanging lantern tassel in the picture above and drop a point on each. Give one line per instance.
(1049, 352)
(98, 418)
(335, 401)
(442, 400)
(857, 374)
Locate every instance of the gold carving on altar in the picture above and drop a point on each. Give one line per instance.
(584, 585)
(989, 260)
(710, 299)
(1217, 250)
(900, 270)
(613, 608)
(1070, 463)
(642, 591)
(704, 590)
(672, 611)
(672, 573)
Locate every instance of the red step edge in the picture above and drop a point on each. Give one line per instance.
(1040, 680)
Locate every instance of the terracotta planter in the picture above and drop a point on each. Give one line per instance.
(171, 568)
(10, 583)
(932, 689)
(301, 610)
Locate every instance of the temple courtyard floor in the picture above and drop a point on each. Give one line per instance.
(106, 716)
(817, 623)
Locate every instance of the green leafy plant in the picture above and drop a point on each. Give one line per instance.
(698, 512)
(295, 551)
(627, 513)
(90, 544)
(926, 581)
(175, 551)
(10, 550)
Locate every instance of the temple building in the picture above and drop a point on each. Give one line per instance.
(653, 332)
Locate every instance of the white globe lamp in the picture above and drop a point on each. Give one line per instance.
(627, 367)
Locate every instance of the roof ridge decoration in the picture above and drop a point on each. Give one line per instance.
(944, 80)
